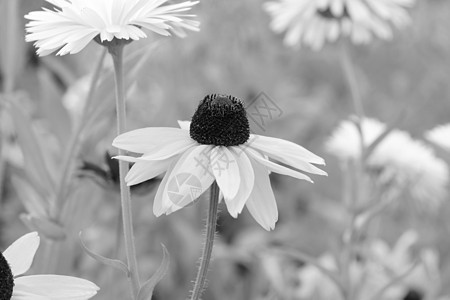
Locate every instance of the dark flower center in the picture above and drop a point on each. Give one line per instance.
(328, 14)
(220, 120)
(6, 279)
(413, 294)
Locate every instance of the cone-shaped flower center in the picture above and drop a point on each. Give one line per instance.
(220, 120)
(413, 295)
(6, 279)
(328, 14)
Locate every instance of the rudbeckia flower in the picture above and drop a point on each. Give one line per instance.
(215, 146)
(440, 136)
(74, 23)
(17, 259)
(398, 162)
(313, 22)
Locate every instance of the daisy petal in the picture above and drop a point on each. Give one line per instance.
(159, 207)
(21, 295)
(273, 167)
(288, 153)
(225, 170)
(145, 140)
(261, 204)
(56, 287)
(185, 125)
(247, 176)
(145, 170)
(190, 177)
(21, 253)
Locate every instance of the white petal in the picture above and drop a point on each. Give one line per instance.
(21, 295)
(185, 181)
(21, 253)
(146, 140)
(236, 204)
(185, 125)
(280, 146)
(159, 207)
(275, 167)
(191, 177)
(225, 170)
(145, 170)
(56, 287)
(261, 204)
(288, 153)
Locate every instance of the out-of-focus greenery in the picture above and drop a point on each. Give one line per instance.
(234, 53)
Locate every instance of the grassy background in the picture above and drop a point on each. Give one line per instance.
(234, 53)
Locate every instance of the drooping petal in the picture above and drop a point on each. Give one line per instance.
(225, 170)
(55, 287)
(148, 139)
(145, 170)
(191, 177)
(288, 153)
(247, 181)
(159, 207)
(261, 204)
(273, 167)
(21, 253)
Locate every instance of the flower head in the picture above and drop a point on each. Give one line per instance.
(216, 146)
(74, 23)
(17, 259)
(440, 135)
(398, 161)
(313, 22)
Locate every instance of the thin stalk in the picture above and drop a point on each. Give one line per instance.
(127, 218)
(211, 223)
(350, 75)
(74, 144)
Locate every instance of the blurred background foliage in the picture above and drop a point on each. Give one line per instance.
(235, 53)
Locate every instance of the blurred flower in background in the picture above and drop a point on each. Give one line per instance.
(217, 145)
(17, 259)
(440, 136)
(314, 22)
(398, 162)
(379, 272)
(74, 23)
(420, 271)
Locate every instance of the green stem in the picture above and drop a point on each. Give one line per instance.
(211, 223)
(349, 71)
(116, 52)
(74, 145)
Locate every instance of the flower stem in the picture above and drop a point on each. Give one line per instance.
(349, 71)
(116, 52)
(211, 222)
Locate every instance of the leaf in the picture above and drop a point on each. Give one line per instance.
(44, 226)
(31, 148)
(115, 263)
(51, 108)
(31, 199)
(146, 290)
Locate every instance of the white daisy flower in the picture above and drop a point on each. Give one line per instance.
(440, 136)
(398, 159)
(313, 22)
(17, 259)
(74, 23)
(215, 146)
